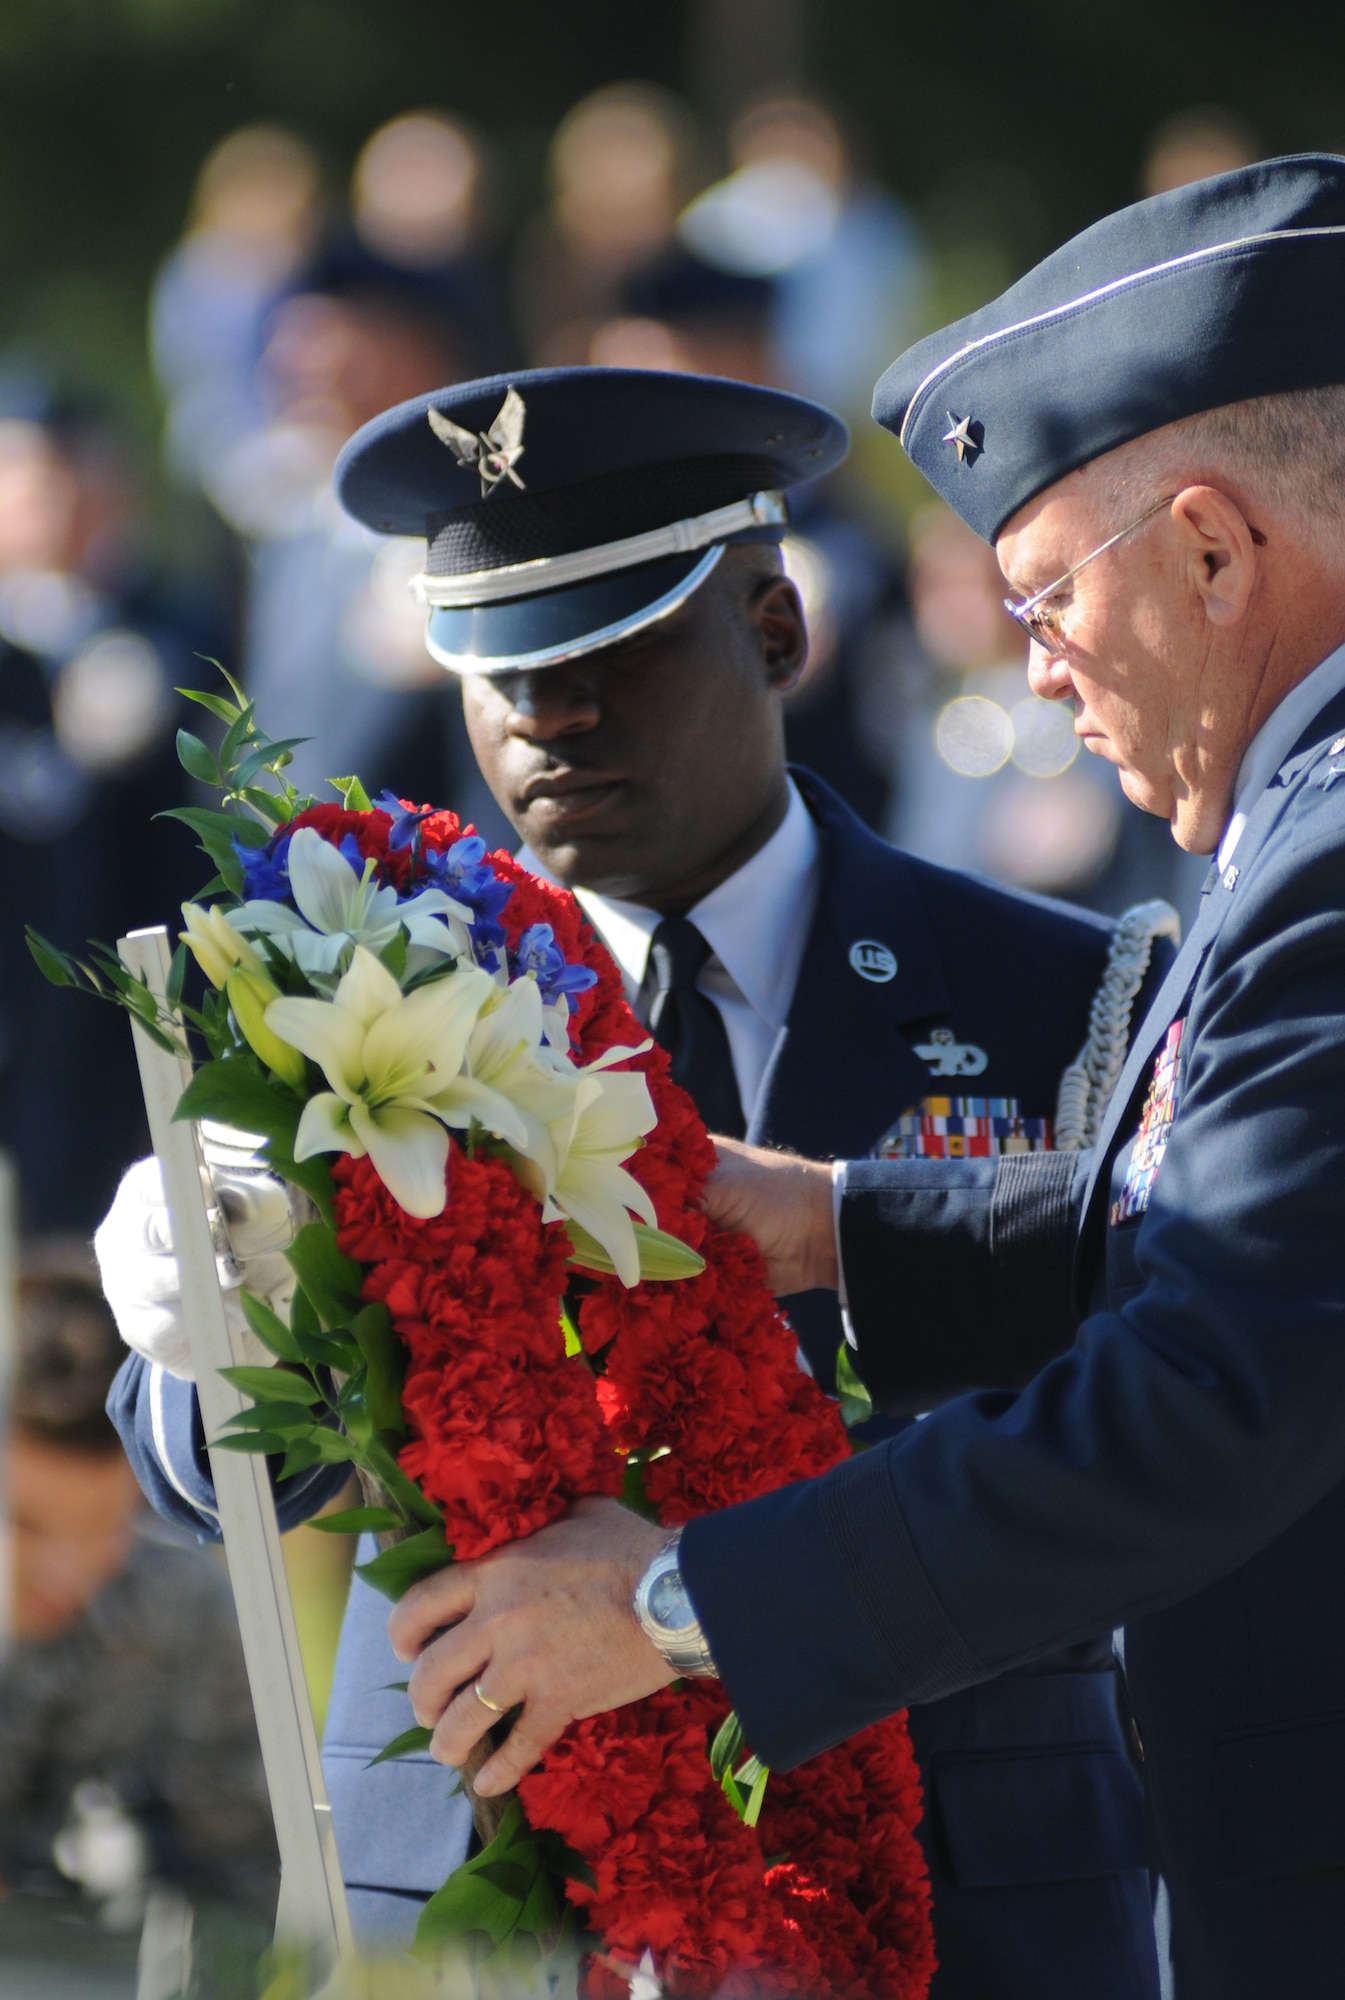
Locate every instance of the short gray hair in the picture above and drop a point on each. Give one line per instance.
(1285, 451)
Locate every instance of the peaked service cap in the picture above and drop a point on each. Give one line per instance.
(566, 508)
(1210, 294)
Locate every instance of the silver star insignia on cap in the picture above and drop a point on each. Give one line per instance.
(494, 452)
(966, 434)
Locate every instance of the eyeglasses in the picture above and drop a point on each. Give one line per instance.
(1042, 620)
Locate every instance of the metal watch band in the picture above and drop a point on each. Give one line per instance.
(683, 1646)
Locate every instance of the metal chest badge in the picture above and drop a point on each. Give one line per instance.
(1151, 1141)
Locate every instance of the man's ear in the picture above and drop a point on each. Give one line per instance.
(777, 612)
(1220, 545)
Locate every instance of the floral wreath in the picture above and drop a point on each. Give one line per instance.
(491, 1337)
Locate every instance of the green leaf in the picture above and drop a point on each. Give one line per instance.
(632, 1489)
(52, 964)
(195, 759)
(177, 974)
(756, 1796)
(269, 1328)
(385, 1361)
(356, 799)
(727, 1746)
(217, 705)
(380, 1458)
(394, 1570)
(573, 1344)
(328, 1350)
(217, 831)
(359, 1521)
(303, 1452)
(266, 1441)
(273, 1385)
(331, 1280)
(332, 1448)
(273, 809)
(855, 1401)
(469, 1901)
(404, 1745)
(288, 1420)
(393, 954)
(662, 1257)
(236, 1092)
(236, 735)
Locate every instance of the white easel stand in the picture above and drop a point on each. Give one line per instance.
(312, 1910)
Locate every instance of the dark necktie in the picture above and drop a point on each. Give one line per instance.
(689, 1026)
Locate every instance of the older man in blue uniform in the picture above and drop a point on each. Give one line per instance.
(1149, 426)
(603, 573)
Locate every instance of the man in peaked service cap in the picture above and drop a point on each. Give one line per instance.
(601, 570)
(1151, 425)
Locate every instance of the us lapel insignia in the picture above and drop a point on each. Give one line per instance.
(947, 1056)
(494, 452)
(1151, 1141)
(964, 1128)
(873, 961)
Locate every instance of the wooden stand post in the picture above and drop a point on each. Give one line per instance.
(312, 1910)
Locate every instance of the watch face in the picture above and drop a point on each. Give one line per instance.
(669, 1605)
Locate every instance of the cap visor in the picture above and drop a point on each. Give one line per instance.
(551, 626)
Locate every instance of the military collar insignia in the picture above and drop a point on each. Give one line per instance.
(967, 436)
(494, 452)
(873, 961)
(947, 1056)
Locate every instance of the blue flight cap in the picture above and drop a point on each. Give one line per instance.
(1213, 293)
(565, 508)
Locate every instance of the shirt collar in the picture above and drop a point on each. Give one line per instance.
(756, 923)
(1275, 739)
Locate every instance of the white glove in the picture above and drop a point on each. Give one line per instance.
(134, 1247)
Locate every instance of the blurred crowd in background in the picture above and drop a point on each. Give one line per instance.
(289, 312)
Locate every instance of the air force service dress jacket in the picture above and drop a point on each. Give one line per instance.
(1034, 1818)
(1179, 1468)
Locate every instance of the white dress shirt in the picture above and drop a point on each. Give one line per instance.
(756, 925)
(1275, 739)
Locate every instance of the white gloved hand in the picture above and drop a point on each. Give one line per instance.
(134, 1247)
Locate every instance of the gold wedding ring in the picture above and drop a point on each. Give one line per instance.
(495, 1707)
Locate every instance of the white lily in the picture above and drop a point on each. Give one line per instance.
(506, 1056)
(340, 906)
(395, 1063)
(609, 1117)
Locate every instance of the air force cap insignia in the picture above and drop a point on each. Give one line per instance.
(494, 452)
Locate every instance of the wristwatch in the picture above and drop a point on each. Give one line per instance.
(668, 1617)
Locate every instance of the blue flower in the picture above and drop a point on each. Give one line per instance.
(463, 872)
(406, 821)
(538, 953)
(266, 875)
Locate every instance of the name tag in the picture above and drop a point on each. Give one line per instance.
(1151, 1141)
(964, 1128)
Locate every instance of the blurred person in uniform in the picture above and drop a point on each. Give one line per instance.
(1192, 145)
(332, 644)
(986, 775)
(620, 167)
(846, 261)
(128, 1751)
(255, 217)
(91, 645)
(697, 317)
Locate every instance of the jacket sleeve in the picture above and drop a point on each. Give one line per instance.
(958, 1272)
(158, 1420)
(1189, 1425)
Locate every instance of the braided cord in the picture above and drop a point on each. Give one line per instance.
(1090, 1079)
